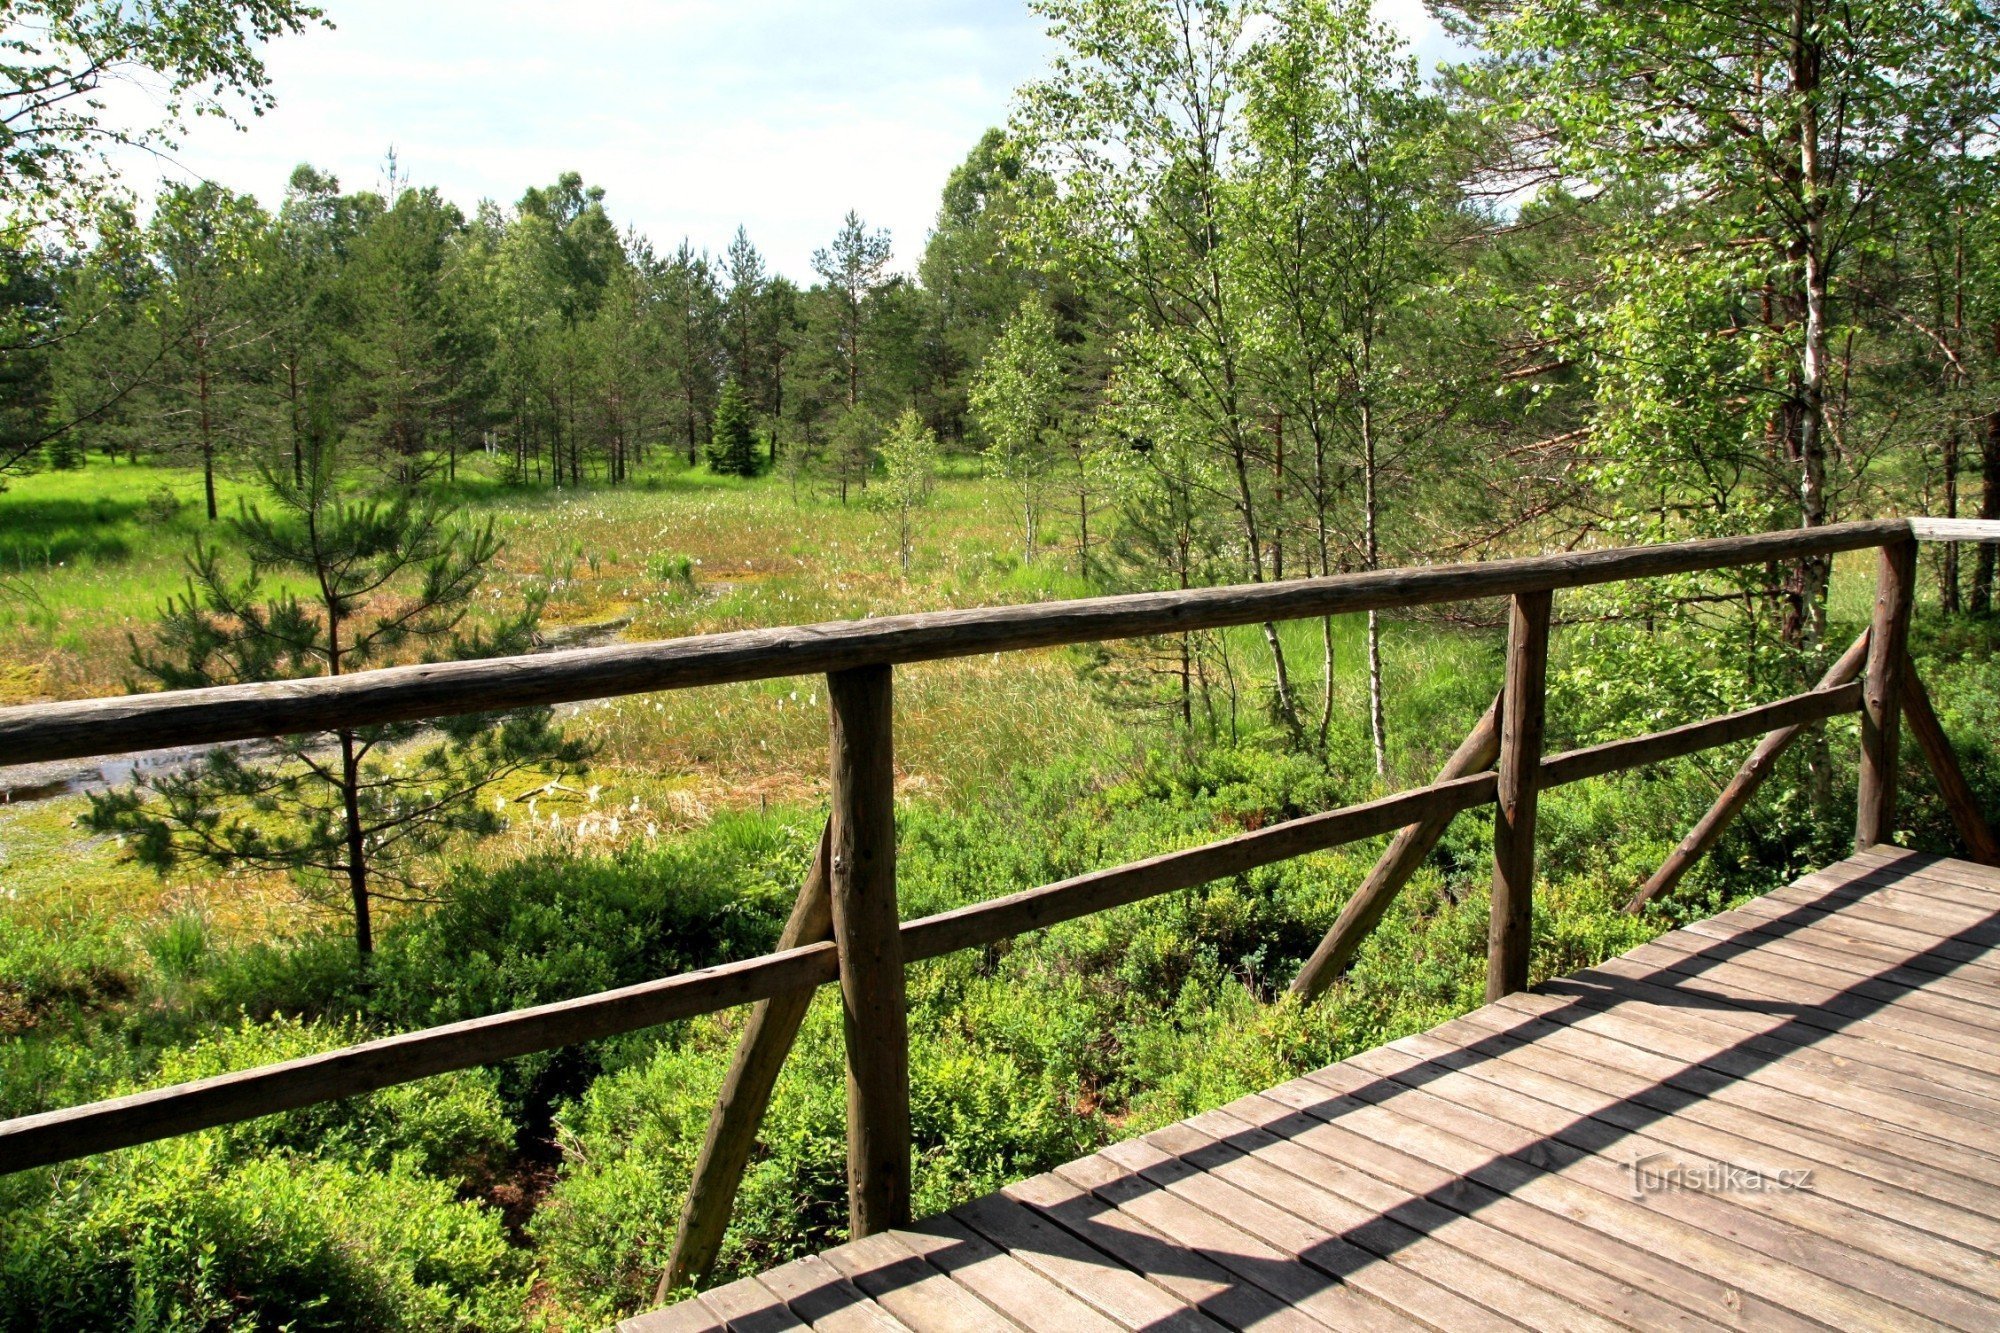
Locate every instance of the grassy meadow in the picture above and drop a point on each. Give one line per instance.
(542, 1193)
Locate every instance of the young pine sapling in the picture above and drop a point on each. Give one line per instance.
(361, 581)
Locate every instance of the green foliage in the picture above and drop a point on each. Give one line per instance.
(175, 1236)
(554, 925)
(668, 568)
(450, 1127)
(387, 576)
(62, 54)
(910, 468)
(1017, 400)
(732, 444)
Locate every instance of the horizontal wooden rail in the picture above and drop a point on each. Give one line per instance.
(1955, 529)
(1614, 756)
(56, 1136)
(141, 1117)
(1032, 909)
(35, 733)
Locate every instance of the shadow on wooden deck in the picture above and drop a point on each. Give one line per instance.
(1784, 1117)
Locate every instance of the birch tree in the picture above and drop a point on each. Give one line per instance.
(1136, 126)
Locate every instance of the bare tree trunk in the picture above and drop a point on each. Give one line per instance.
(1325, 536)
(357, 855)
(1948, 576)
(1371, 555)
(1815, 570)
(201, 388)
(292, 396)
(1989, 508)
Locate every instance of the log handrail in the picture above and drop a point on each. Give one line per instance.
(850, 890)
(34, 733)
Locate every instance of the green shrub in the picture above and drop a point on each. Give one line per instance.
(176, 1235)
(450, 1126)
(980, 1116)
(557, 925)
(72, 965)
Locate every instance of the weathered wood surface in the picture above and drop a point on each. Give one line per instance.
(1955, 529)
(1604, 1153)
(1800, 710)
(56, 1136)
(36, 733)
(1510, 926)
(768, 1034)
(1741, 788)
(1966, 816)
(874, 1007)
(1364, 911)
(1882, 702)
(73, 1132)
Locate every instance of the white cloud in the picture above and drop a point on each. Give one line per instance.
(694, 115)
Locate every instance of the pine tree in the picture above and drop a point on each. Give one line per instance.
(348, 816)
(732, 445)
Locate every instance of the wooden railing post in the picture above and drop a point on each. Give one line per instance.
(867, 930)
(1881, 704)
(1510, 927)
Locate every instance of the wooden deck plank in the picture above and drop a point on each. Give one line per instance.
(1085, 1271)
(1614, 1068)
(1480, 1175)
(1609, 1207)
(1561, 1293)
(820, 1294)
(1419, 1298)
(1812, 1234)
(903, 1284)
(1773, 1019)
(1814, 942)
(1194, 1263)
(1850, 934)
(1904, 1227)
(1674, 1034)
(1770, 1024)
(1311, 1151)
(1926, 864)
(687, 1317)
(1818, 952)
(1000, 1279)
(747, 1306)
(1798, 1265)
(1579, 1029)
(1894, 867)
(1848, 994)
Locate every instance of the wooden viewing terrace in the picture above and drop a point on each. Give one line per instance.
(1468, 1176)
(1785, 1117)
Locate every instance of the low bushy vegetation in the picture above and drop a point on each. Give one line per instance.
(544, 1191)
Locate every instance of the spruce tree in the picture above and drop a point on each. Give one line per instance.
(732, 444)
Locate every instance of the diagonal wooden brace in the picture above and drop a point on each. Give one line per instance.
(1973, 830)
(1741, 788)
(1405, 853)
(746, 1094)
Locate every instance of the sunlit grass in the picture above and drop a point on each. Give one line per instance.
(112, 551)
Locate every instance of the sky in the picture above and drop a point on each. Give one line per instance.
(694, 115)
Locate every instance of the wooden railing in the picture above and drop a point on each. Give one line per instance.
(845, 927)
